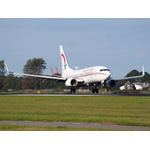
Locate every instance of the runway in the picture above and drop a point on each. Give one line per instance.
(74, 95)
(76, 125)
(59, 95)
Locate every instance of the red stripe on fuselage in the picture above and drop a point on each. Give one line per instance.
(89, 75)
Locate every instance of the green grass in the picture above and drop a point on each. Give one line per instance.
(116, 110)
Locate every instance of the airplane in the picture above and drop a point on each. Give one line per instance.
(90, 77)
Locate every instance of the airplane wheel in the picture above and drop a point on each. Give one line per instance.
(72, 90)
(93, 90)
(96, 91)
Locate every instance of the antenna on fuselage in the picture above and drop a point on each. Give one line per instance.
(76, 68)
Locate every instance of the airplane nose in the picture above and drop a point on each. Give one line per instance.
(108, 74)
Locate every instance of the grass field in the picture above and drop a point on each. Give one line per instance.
(121, 110)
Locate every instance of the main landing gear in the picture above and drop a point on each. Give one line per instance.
(95, 90)
(72, 90)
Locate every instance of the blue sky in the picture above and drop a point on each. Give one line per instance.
(119, 44)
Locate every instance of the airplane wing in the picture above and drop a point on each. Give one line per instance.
(133, 77)
(33, 75)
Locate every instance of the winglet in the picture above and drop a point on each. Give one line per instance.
(143, 72)
(7, 68)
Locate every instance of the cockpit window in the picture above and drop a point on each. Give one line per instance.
(104, 70)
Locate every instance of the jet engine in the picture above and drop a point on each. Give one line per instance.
(110, 83)
(71, 82)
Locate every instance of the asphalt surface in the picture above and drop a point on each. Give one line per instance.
(73, 95)
(76, 125)
(58, 95)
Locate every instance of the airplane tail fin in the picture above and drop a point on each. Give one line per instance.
(64, 64)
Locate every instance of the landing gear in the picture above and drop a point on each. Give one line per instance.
(94, 87)
(95, 90)
(72, 90)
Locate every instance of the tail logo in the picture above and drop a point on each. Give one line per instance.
(64, 58)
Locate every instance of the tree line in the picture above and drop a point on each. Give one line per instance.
(37, 66)
(32, 66)
(145, 79)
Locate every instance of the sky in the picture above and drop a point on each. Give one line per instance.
(118, 43)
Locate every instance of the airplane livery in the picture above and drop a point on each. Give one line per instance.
(90, 77)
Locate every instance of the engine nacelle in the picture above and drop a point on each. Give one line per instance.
(110, 83)
(71, 82)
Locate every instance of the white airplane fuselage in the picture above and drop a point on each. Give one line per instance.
(89, 75)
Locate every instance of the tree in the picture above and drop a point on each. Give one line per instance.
(146, 78)
(2, 68)
(134, 73)
(35, 66)
(1, 82)
(9, 82)
(2, 73)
